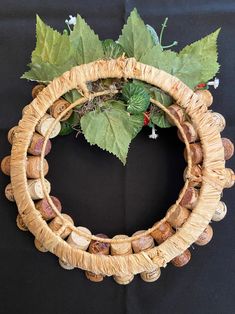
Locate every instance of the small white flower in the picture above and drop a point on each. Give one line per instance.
(71, 21)
(153, 135)
(214, 83)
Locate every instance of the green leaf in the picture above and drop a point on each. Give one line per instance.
(111, 129)
(196, 63)
(136, 124)
(155, 93)
(67, 127)
(159, 118)
(161, 96)
(203, 52)
(52, 56)
(112, 49)
(162, 59)
(45, 72)
(135, 39)
(153, 34)
(86, 43)
(112, 103)
(72, 96)
(136, 97)
(51, 46)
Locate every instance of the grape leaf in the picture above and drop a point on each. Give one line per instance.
(194, 64)
(161, 59)
(112, 129)
(52, 56)
(45, 72)
(135, 39)
(203, 52)
(112, 49)
(86, 43)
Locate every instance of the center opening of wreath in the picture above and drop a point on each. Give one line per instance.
(99, 192)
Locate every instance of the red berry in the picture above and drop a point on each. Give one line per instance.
(146, 118)
(201, 85)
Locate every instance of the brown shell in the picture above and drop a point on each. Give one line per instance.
(230, 178)
(97, 247)
(94, 277)
(205, 237)
(37, 89)
(9, 193)
(177, 112)
(20, 224)
(6, 165)
(45, 208)
(178, 217)
(143, 243)
(151, 276)
(219, 121)
(220, 212)
(33, 167)
(228, 148)
(182, 259)
(56, 224)
(196, 153)
(11, 134)
(59, 106)
(189, 131)
(124, 248)
(163, 232)
(39, 246)
(35, 147)
(205, 96)
(189, 198)
(196, 173)
(124, 280)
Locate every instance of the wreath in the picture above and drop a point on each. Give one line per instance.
(109, 90)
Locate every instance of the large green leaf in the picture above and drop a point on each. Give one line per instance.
(51, 46)
(45, 72)
(52, 56)
(203, 52)
(136, 38)
(112, 129)
(161, 59)
(194, 64)
(86, 43)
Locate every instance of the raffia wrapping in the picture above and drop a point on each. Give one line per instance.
(213, 176)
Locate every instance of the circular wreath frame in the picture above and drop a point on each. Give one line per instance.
(213, 173)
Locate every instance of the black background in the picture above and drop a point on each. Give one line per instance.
(98, 191)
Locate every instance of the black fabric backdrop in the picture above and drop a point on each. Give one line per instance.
(98, 191)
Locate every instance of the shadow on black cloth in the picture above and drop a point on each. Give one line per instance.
(98, 191)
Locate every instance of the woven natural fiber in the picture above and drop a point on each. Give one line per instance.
(213, 168)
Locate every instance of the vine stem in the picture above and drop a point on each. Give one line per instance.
(164, 25)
